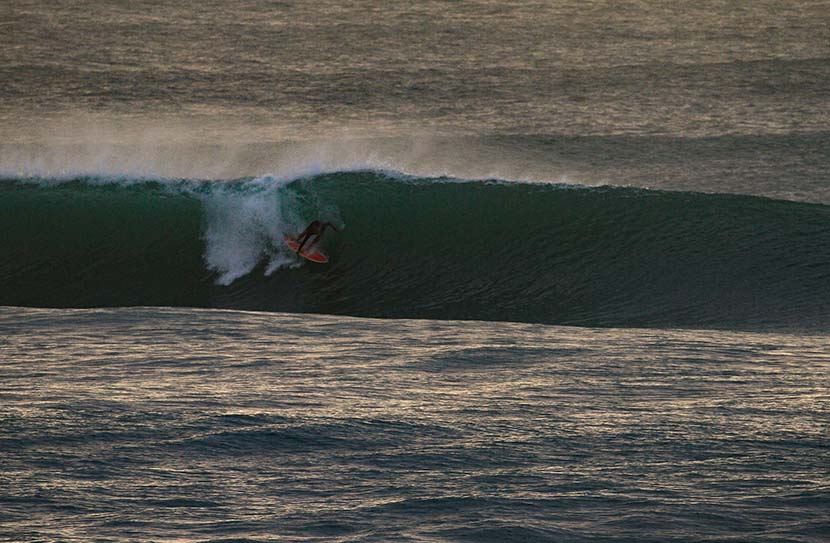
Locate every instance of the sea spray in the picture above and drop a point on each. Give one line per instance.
(245, 223)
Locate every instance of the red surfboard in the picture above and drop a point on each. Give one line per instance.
(309, 253)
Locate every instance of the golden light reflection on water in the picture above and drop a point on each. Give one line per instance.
(318, 406)
(340, 365)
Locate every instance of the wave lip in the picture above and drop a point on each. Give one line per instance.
(417, 247)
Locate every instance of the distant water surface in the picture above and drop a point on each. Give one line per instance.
(710, 96)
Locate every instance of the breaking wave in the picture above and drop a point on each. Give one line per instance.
(414, 247)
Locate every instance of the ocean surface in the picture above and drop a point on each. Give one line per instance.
(580, 291)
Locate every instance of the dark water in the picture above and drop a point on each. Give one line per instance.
(654, 173)
(422, 248)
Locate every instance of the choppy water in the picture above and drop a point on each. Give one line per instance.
(198, 425)
(659, 171)
(707, 96)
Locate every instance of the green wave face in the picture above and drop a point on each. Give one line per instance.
(420, 248)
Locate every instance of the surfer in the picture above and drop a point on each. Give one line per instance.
(316, 229)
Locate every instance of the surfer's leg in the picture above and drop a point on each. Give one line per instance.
(304, 237)
(312, 243)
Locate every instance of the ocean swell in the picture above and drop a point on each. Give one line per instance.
(419, 248)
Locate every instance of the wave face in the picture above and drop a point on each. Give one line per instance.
(419, 248)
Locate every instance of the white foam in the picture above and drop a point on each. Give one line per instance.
(245, 225)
